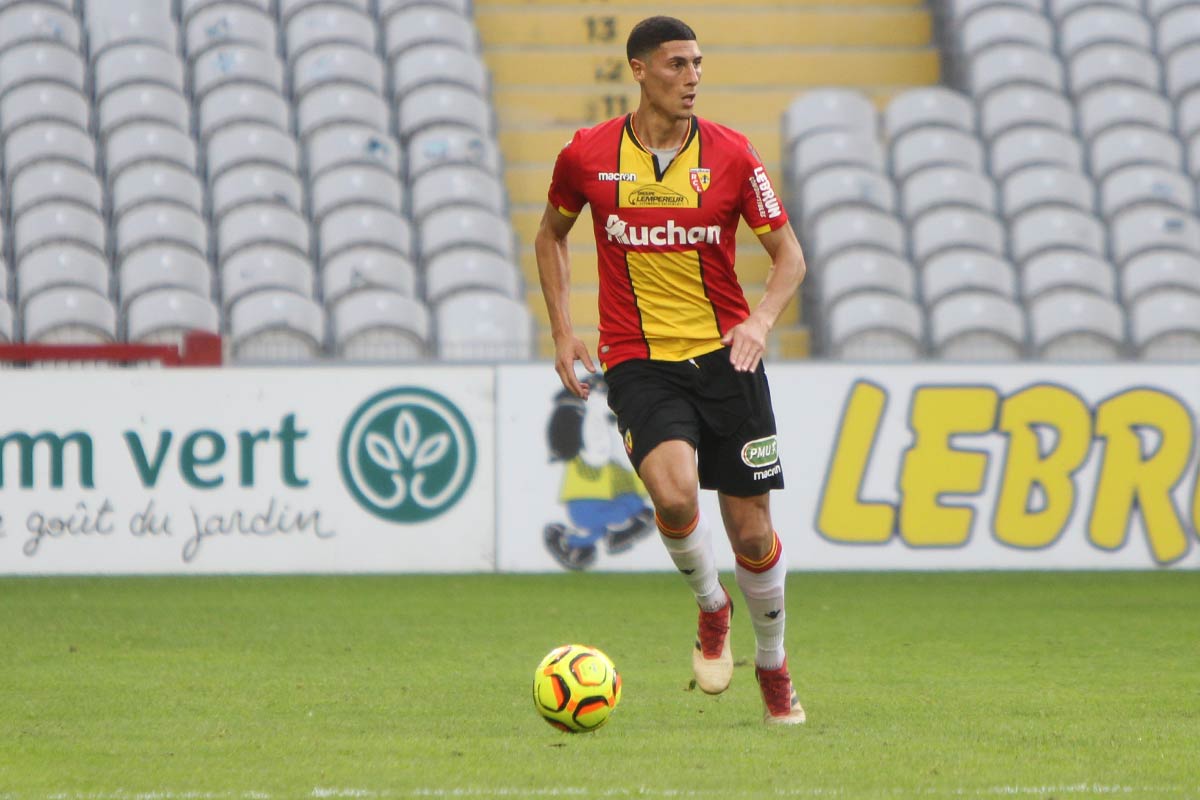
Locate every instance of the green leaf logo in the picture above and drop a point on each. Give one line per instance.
(407, 455)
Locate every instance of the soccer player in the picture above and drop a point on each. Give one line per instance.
(680, 347)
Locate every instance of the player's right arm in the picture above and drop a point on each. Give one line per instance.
(554, 273)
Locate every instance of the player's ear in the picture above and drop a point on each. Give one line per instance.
(639, 69)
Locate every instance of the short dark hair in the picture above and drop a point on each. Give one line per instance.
(651, 32)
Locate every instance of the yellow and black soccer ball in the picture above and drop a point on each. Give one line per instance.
(576, 688)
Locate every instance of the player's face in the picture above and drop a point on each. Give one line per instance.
(670, 77)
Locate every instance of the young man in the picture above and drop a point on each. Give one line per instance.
(681, 350)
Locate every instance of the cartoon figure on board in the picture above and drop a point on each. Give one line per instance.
(604, 499)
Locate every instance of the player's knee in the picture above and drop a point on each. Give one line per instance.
(752, 541)
(676, 509)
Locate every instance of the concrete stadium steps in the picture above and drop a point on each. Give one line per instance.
(559, 65)
(794, 27)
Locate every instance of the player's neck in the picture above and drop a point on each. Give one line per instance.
(658, 132)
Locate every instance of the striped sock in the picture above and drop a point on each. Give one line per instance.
(762, 583)
(690, 548)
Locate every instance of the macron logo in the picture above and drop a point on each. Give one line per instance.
(622, 232)
(617, 177)
(766, 194)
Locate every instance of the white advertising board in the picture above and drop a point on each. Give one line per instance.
(247, 471)
(928, 466)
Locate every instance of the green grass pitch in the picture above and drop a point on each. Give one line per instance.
(916, 685)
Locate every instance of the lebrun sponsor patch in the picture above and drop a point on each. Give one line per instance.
(760, 453)
(701, 178)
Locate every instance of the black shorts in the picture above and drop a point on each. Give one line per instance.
(724, 414)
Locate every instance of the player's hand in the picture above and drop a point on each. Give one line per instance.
(567, 351)
(747, 342)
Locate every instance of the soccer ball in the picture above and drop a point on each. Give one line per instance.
(575, 688)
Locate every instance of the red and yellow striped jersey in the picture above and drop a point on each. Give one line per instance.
(665, 241)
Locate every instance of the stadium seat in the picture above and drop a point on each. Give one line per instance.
(243, 144)
(1133, 144)
(825, 149)
(277, 327)
(112, 25)
(41, 61)
(443, 105)
(262, 223)
(1031, 145)
(860, 270)
(1076, 326)
(483, 325)
(927, 147)
(959, 10)
(136, 63)
(289, 7)
(468, 269)
(427, 24)
(387, 7)
(977, 326)
(1103, 24)
(1016, 106)
(153, 223)
(1008, 64)
(1153, 227)
(842, 228)
(1053, 270)
(164, 266)
(245, 104)
(7, 326)
(846, 185)
(935, 187)
(1157, 270)
(151, 141)
(1144, 183)
(1103, 64)
(334, 63)
(56, 180)
(344, 144)
(1177, 27)
(876, 326)
(1108, 106)
(452, 228)
(1060, 9)
(47, 140)
(381, 325)
(442, 145)
(236, 64)
(431, 64)
(957, 228)
(360, 225)
(227, 23)
(966, 270)
(54, 223)
(1055, 227)
(44, 101)
(5, 278)
(366, 268)
(1183, 71)
(154, 181)
(1001, 24)
(144, 103)
(266, 267)
(165, 316)
(1046, 185)
(63, 265)
(928, 105)
(1165, 326)
(252, 183)
(355, 183)
(821, 110)
(69, 315)
(457, 185)
(1187, 115)
(340, 103)
(38, 22)
(326, 23)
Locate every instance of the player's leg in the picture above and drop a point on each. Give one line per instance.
(761, 572)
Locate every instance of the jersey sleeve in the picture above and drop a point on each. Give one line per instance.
(565, 184)
(761, 206)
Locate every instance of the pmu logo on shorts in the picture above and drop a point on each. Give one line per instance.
(760, 453)
(407, 455)
(622, 232)
(768, 202)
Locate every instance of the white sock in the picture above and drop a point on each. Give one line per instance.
(691, 550)
(762, 584)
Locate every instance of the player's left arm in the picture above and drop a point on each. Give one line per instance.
(748, 340)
